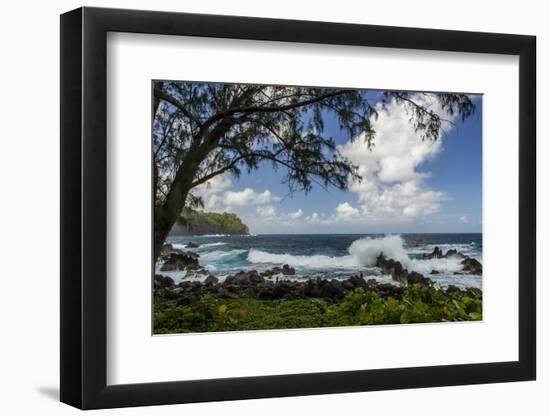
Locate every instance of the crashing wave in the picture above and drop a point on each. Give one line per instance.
(362, 253)
(312, 262)
(218, 255)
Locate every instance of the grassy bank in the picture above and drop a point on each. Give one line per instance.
(418, 304)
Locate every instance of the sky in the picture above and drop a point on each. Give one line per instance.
(408, 186)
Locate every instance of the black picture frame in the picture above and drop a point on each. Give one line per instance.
(84, 207)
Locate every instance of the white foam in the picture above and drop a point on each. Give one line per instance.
(425, 266)
(362, 253)
(468, 249)
(362, 257)
(210, 245)
(182, 246)
(311, 262)
(179, 245)
(217, 255)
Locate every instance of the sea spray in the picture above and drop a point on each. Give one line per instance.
(333, 256)
(367, 250)
(362, 253)
(308, 261)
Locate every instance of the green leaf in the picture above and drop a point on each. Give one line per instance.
(475, 315)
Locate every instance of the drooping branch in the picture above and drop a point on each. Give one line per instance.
(179, 105)
(272, 109)
(219, 171)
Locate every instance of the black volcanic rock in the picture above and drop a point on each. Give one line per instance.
(436, 254)
(392, 268)
(161, 281)
(472, 266)
(285, 270)
(181, 261)
(416, 278)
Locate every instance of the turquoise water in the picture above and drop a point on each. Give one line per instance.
(333, 256)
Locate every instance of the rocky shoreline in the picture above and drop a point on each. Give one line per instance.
(273, 284)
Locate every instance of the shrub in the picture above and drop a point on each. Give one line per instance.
(418, 304)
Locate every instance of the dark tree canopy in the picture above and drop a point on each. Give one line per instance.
(201, 130)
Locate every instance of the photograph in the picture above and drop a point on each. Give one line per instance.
(285, 207)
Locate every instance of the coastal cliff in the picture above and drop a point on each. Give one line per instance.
(194, 222)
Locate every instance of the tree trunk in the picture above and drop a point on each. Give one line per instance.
(156, 100)
(166, 216)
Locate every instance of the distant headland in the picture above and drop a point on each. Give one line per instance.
(194, 222)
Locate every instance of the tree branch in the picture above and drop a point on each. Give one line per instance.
(180, 106)
(269, 109)
(422, 109)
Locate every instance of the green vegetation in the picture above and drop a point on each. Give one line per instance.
(418, 304)
(201, 222)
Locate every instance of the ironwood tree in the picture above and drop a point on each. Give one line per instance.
(202, 130)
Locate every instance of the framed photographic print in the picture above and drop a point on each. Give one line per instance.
(257, 208)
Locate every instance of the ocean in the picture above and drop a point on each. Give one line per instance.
(332, 256)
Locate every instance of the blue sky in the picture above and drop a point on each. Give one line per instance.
(409, 186)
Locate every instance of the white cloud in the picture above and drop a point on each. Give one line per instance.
(344, 211)
(393, 188)
(212, 190)
(266, 197)
(267, 212)
(248, 196)
(296, 215)
(313, 219)
(239, 198)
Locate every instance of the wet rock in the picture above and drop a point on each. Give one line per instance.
(211, 280)
(436, 254)
(338, 289)
(167, 248)
(244, 278)
(372, 284)
(455, 253)
(161, 281)
(452, 288)
(416, 278)
(389, 290)
(181, 262)
(392, 268)
(398, 273)
(331, 289)
(356, 281)
(284, 270)
(288, 270)
(192, 245)
(434, 272)
(250, 284)
(311, 289)
(166, 294)
(471, 266)
(474, 292)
